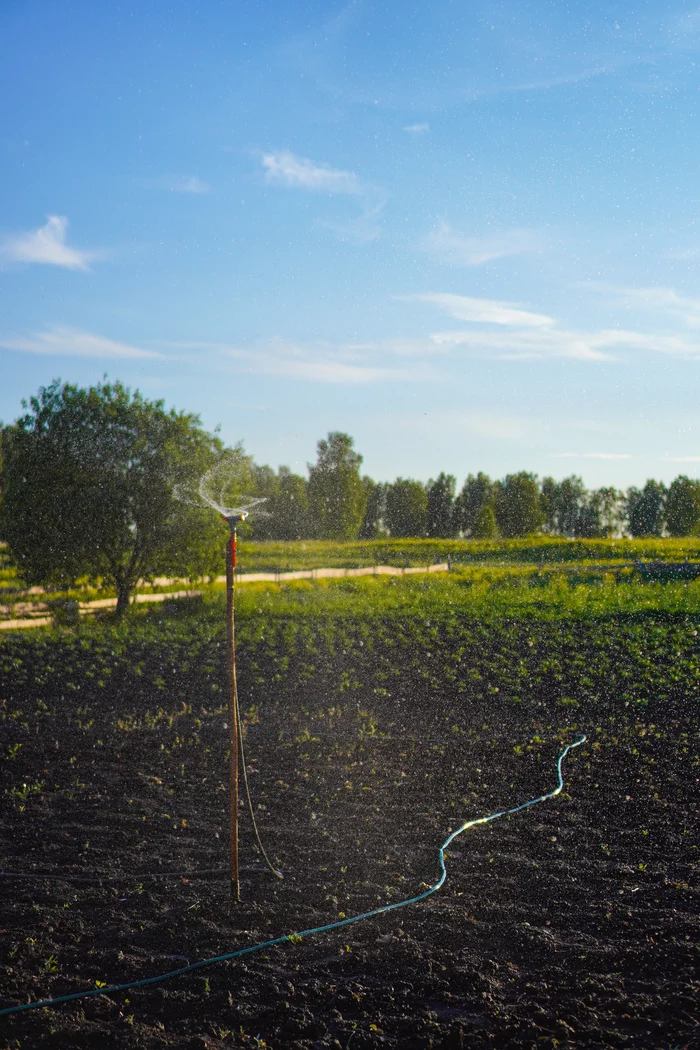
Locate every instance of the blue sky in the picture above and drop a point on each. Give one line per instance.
(464, 233)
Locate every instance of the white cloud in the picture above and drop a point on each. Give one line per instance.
(499, 427)
(417, 129)
(591, 455)
(676, 345)
(561, 342)
(522, 343)
(181, 184)
(47, 245)
(488, 311)
(683, 308)
(73, 342)
(362, 229)
(327, 363)
(533, 335)
(447, 245)
(286, 169)
(680, 459)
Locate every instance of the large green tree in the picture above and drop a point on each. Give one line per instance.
(517, 505)
(601, 514)
(646, 509)
(290, 508)
(683, 506)
(88, 489)
(441, 495)
(477, 493)
(406, 504)
(375, 511)
(485, 526)
(563, 504)
(337, 496)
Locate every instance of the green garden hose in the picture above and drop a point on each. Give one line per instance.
(294, 937)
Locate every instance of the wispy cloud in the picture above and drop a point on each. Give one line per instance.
(683, 308)
(286, 169)
(361, 229)
(447, 245)
(590, 455)
(180, 184)
(527, 343)
(561, 342)
(72, 342)
(417, 129)
(326, 363)
(329, 362)
(500, 427)
(47, 245)
(489, 311)
(680, 459)
(524, 334)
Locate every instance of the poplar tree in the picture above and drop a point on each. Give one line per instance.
(337, 496)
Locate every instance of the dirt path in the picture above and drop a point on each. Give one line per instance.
(252, 577)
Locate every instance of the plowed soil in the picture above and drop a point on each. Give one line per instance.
(572, 924)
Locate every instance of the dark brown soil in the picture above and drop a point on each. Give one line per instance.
(573, 924)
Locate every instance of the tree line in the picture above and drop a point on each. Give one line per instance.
(337, 502)
(89, 482)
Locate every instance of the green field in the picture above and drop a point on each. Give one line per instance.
(309, 554)
(526, 630)
(540, 575)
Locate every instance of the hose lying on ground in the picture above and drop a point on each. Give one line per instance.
(316, 929)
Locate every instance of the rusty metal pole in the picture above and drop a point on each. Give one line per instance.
(232, 713)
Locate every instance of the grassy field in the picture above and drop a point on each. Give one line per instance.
(309, 554)
(542, 574)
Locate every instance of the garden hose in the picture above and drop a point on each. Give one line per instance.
(273, 869)
(295, 937)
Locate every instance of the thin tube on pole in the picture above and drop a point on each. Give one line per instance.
(232, 714)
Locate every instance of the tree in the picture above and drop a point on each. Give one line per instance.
(265, 483)
(373, 524)
(441, 494)
(89, 480)
(549, 495)
(485, 526)
(337, 497)
(683, 506)
(406, 508)
(477, 492)
(290, 508)
(646, 510)
(562, 504)
(600, 516)
(517, 505)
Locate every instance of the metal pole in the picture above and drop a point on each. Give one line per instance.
(232, 715)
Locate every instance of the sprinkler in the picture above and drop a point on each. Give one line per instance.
(233, 713)
(218, 489)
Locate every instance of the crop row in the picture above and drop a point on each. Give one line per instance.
(436, 659)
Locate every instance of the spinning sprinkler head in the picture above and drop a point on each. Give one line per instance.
(220, 489)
